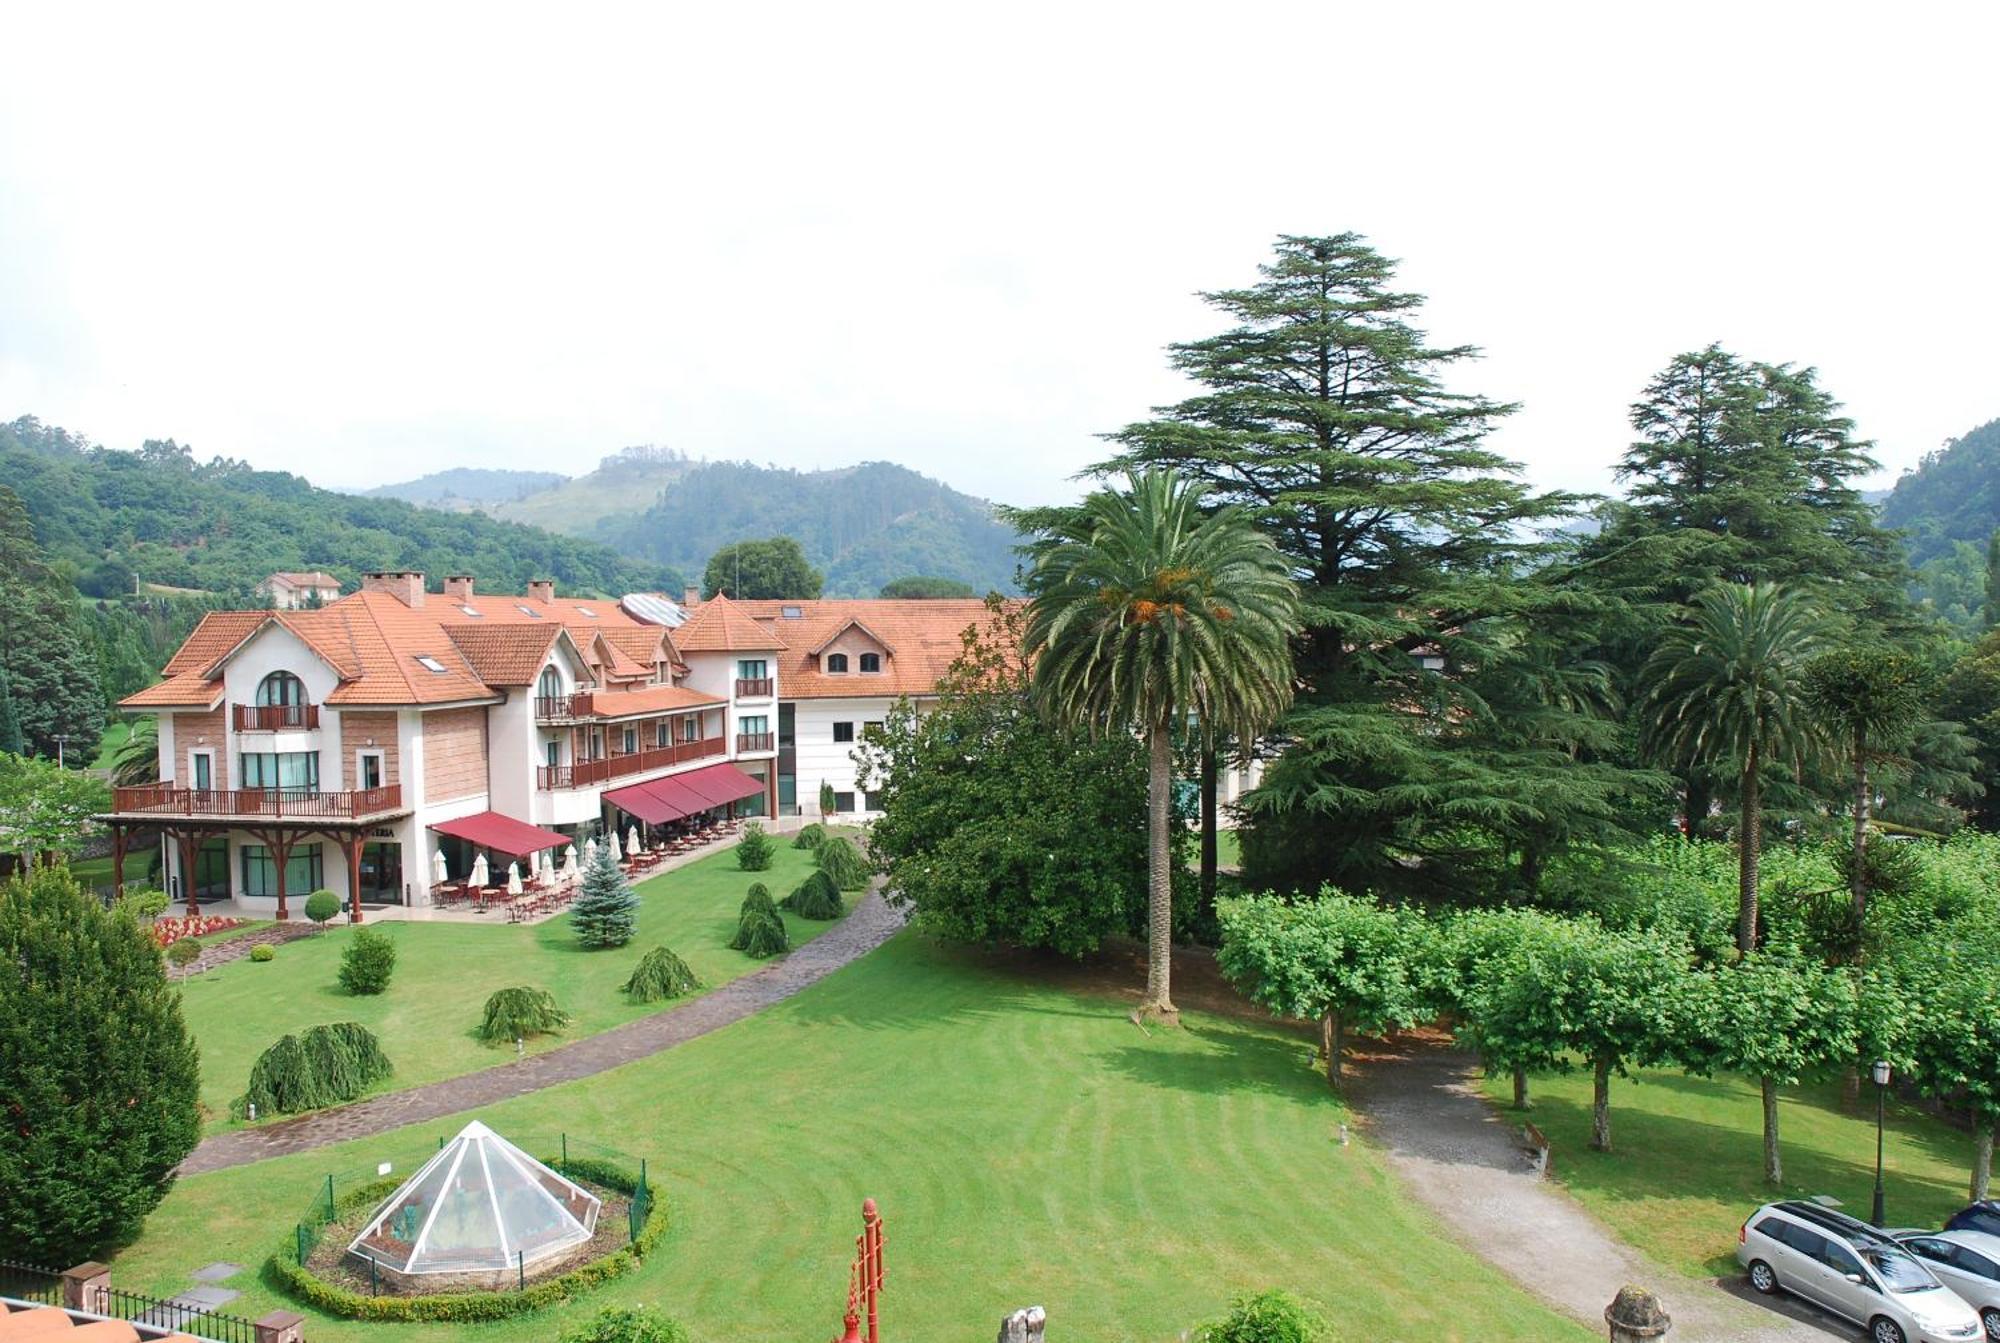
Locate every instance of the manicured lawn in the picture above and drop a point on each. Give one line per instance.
(445, 971)
(1687, 1164)
(1027, 1145)
(115, 734)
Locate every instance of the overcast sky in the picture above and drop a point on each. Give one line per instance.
(368, 242)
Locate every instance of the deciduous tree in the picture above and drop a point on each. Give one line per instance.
(776, 568)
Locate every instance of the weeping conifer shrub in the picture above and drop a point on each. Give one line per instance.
(660, 975)
(322, 1066)
(517, 1013)
(842, 862)
(810, 836)
(816, 898)
(760, 932)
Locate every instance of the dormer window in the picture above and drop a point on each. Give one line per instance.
(430, 664)
(871, 662)
(836, 663)
(550, 684)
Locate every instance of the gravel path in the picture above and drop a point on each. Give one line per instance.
(1461, 1158)
(867, 926)
(236, 948)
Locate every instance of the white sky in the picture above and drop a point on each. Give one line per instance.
(384, 240)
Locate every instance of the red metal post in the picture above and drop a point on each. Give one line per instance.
(871, 1222)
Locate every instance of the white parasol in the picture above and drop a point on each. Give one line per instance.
(589, 851)
(513, 878)
(617, 854)
(632, 840)
(569, 864)
(438, 873)
(479, 875)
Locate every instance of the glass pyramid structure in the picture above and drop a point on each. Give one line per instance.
(481, 1204)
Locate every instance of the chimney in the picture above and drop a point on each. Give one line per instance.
(405, 585)
(542, 589)
(690, 596)
(458, 587)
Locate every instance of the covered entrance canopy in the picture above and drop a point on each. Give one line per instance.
(683, 795)
(643, 801)
(491, 830)
(722, 783)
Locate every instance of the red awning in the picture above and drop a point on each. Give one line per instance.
(724, 783)
(674, 792)
(644, 801)
(491, 830)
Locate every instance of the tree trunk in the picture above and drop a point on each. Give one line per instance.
(1982, 1161)
(1600, 1107)
(1749, 840)
(1208, 835)
(1159, 1004)
(1774, 1170)
(1333, 1039)
(1858, 877)
(1696, 799)
(1521, 1101)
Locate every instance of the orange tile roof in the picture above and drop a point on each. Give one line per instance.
(187, 684)
(578, 613)
(505, 655)
(652, 699)
(920, 640)
(640, 642)
(317, 578)
(720, 625)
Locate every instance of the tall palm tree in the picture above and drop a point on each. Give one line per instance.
(137, 760)
(1725, 692)
(1147, 609)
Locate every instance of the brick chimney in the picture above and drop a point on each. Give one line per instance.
(405, 585)
(690, 596)
(458, 587)
(542, 589)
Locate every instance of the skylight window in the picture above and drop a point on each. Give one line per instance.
(586, 611)
(472, 611)
(429, 664)
(792, 613)
(529, 612)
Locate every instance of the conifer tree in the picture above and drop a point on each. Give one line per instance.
(10, 721)
(605, 912)
(51, 674)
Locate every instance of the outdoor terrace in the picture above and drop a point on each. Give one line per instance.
(269, 804)
(586, 773)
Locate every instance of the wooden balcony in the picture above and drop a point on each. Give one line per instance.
(749, 743)
(256, 804)
(274, 717)
(758, 687)
(588, 773)
(562, 708)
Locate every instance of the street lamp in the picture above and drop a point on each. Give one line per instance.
(1881, 1094)
(62, 739)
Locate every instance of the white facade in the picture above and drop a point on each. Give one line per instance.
(821, 755)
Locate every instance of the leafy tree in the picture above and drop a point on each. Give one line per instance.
(1144, 611)
(755, 850)
(925, 587)
(1336, 959)
(1778, 1018)
(102, 1085)
(46, 809)
(367, 962)
(660, 974)
(1992, 611)
(51, 676)
(626, 1324)
(1950, 496)
(1725, 694)
(183, 952)
(322, 906)
(606, 909)
(1468, 959)
(11, 742)
(760, 570)
(1866, 697)
(1955, 1043)
(1268, 1317)
(967, 839)
(1970, 694)
(517, 1013)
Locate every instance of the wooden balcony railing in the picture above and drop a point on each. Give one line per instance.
(754, 687)
(585, 773)
(286, 804)
(272, 717)
(755, 741)
(555, 708)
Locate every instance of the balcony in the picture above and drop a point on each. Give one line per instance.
(758, 687)
(256, 804)
(562, 708)
(586, 773)
(750, 743)
(274, 717)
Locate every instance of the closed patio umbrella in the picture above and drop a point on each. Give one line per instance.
(632, 840)
(479, 876)
(513, 878)
(438, 873)
(569, 863)
(616, 853)
(589, 851)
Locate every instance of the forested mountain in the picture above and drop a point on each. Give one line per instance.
(468, 487)
(862, 525)
(1953, 495)
(105, 518)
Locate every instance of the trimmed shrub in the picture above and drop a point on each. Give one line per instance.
(263, 952)
(322, 906)
(843, 862)
(826, 798)
(810, 836)
(184, 952)
(760, 932)
(660, 975)
(626, 1324)
(1268, 1317)
(816, 898)
(516, 1014)
(606, 910)
(143, 904)
(753, 851)
(367, 963)
(324, 1066)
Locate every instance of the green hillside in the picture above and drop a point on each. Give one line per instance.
(468, 487)
(1953, 495)
(624, 483)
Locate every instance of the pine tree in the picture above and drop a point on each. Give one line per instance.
(10, 721)
(51, 673)
(605, 912)
(1993, 579)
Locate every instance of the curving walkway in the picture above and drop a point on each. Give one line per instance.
(1422, 1104)
(867, 926)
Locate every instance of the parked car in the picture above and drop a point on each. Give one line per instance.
(1854, 1270)
(1968, 1262)
(1981, 1216)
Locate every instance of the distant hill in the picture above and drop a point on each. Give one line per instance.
(1953, 495)
(625, 482)
(468, 487)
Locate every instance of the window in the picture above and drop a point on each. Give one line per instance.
(586, 612)
(474, 612)
(429, 663)
(871, 662)
(843, 732)
(631, 741)
(790, 613)
(1839, 1258)
(552, 753)
(281, 687)
(788, 720)
(690, 729)
(260, 870)
(1978, 1265)
(203, 771)
(549, 686)
(528, 611)
(843, 802)
(836, 662)
(661, 735)
(292, 772)
(368, 772)
(1896, 1270)
(753, 725)
(751, 669)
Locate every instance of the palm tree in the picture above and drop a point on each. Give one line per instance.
(1724, 692)
(136, 761)
(1145, 610)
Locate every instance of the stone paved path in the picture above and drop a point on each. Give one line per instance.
(1457, 1155)
(236, 948)
(867, 926)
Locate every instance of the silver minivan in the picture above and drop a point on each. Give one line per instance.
(1968, 1262)
(1853, 1270)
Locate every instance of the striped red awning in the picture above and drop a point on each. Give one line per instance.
(504, 834)
(644, 801)
(723, 783)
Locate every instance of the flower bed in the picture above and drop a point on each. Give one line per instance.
(167, 931)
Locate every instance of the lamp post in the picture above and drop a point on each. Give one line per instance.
(1881, 1072)
(62, 739)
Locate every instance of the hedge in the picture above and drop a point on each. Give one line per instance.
(465, 1307)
